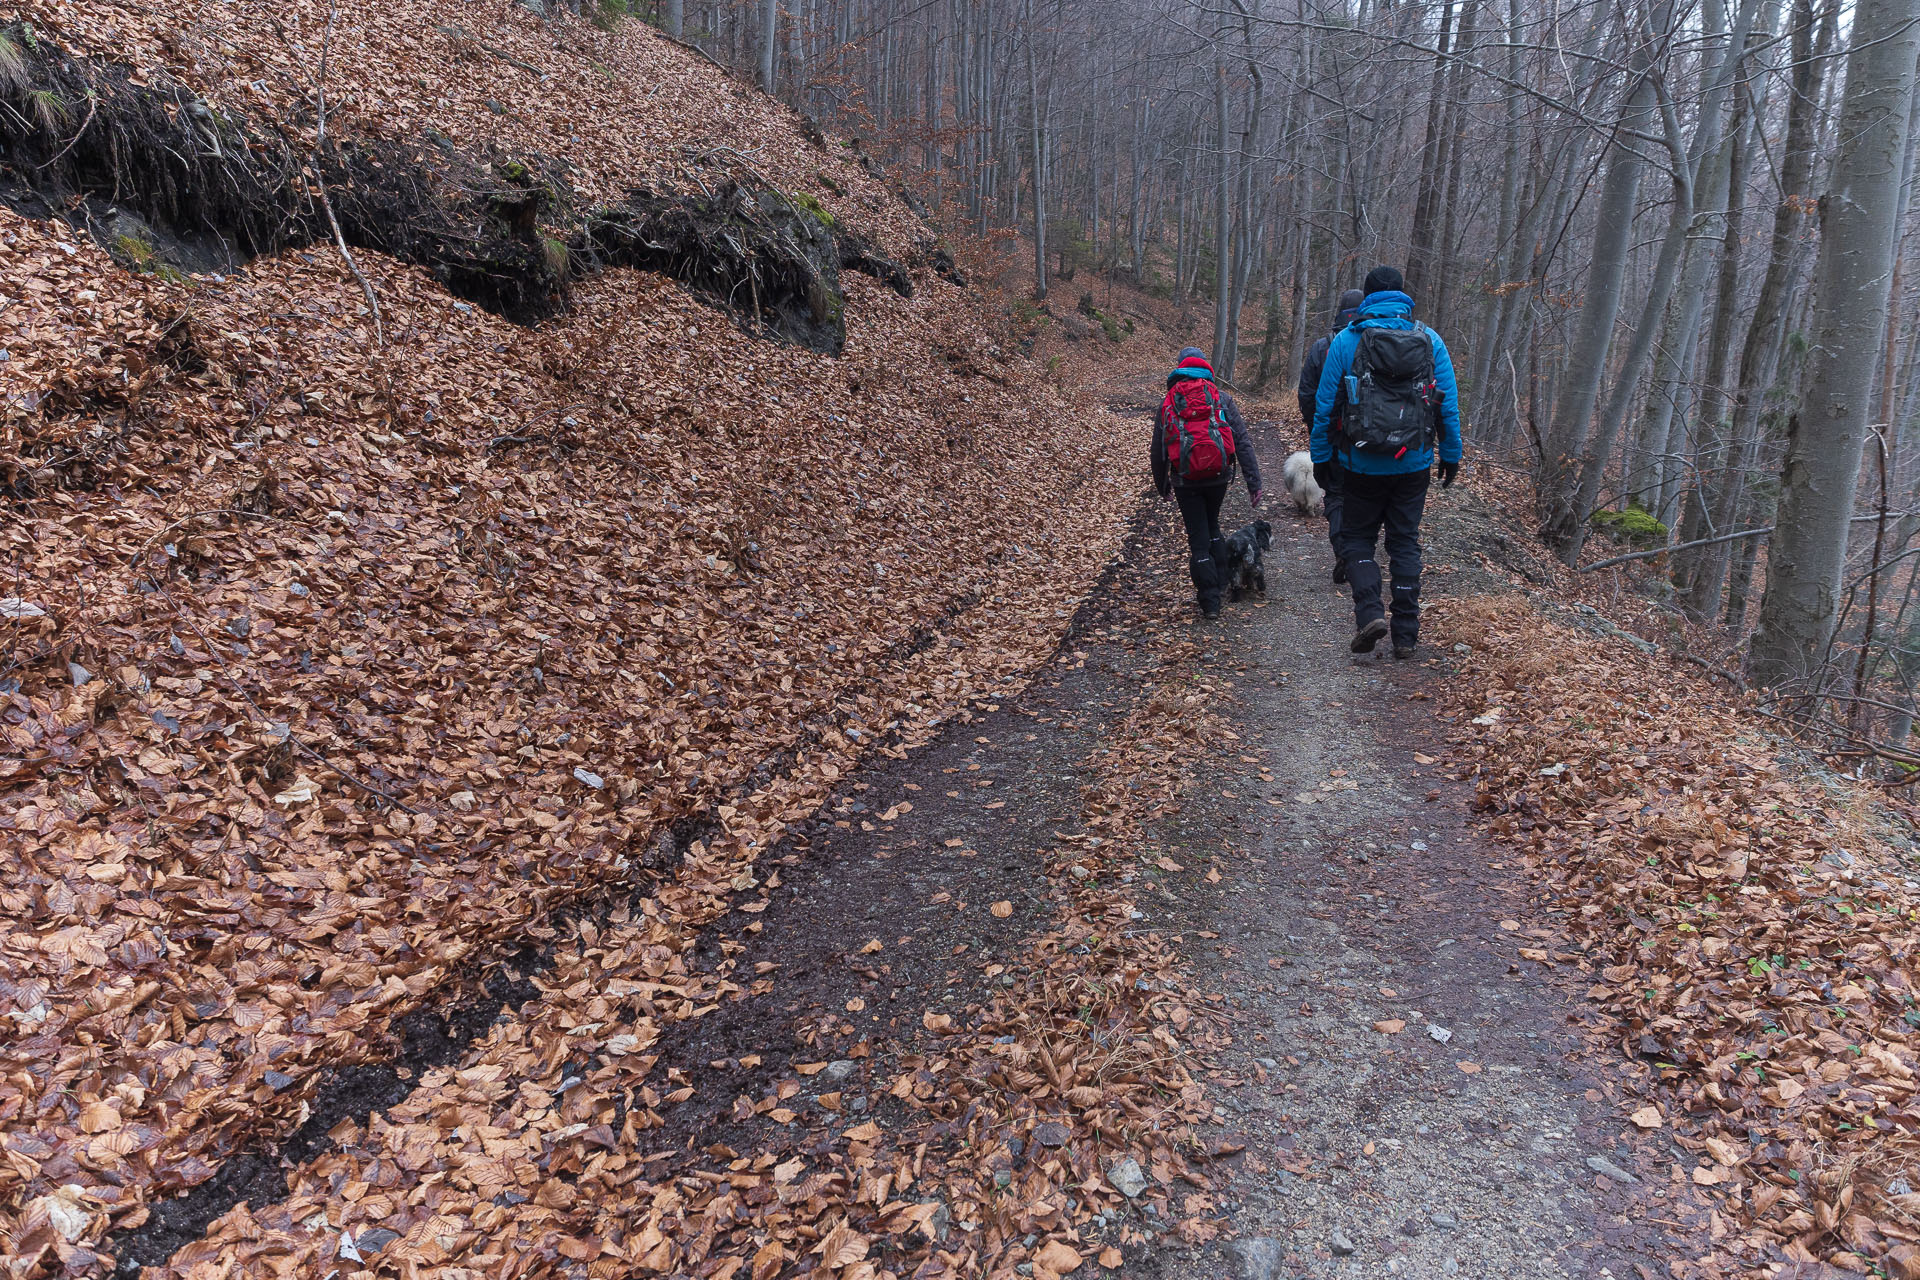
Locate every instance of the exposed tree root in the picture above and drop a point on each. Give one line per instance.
(80, 138)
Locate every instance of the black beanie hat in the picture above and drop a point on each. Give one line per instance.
(1350, 301)
(1385, 280)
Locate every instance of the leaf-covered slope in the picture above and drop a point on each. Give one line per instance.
(329, 667)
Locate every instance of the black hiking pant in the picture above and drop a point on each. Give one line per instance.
(1396, 502)
(1206, 549)
(1333, 507)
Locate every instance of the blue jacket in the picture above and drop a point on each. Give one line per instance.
(1389, 310)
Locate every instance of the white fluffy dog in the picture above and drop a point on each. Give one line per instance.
(1306, 493)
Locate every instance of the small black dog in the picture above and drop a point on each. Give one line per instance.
(1246, 569)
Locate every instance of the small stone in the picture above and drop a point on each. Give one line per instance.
(78, 674)
(240, 628)
(838, 1070)
(1051, 1134)
(1126, 1177)
(278, 1081)
(857, 1106)
(1443, 1220)
(1003, 1178)
(1078, 872)
(374, 1240)
(1259, 1257)
(496, 106)
(1411, 1227)
(589, 777)
(1608, 1169)
(1449, 1267)
(1340, 1244)
(1899, 1187)
(298, 589)
(1023, 1268)
(1268, 1063)
(1438, 1033)
(1463, 648)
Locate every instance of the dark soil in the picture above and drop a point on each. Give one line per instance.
(423, 1039)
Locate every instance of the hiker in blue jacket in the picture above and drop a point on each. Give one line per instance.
(1386, 396)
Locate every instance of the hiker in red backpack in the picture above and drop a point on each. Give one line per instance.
(1198, 436)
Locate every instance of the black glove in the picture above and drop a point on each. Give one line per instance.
(1323, 474)
(1448, 470)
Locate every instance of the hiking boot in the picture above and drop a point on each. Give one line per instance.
(1405, 651)
(1368, 636)
(1210, 608)
(1339, 572)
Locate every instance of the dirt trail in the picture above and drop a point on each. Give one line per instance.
(1410, 1101)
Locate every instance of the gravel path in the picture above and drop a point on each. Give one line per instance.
(1411, 1103)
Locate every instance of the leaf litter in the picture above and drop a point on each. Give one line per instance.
(1744, 929)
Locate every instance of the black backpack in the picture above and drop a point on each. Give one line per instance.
(1392, 398)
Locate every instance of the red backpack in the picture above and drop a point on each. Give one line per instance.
(1199, 441)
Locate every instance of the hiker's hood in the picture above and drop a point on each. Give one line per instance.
(1390, 304)
(1193, 364)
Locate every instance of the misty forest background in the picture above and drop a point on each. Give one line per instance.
(1668, 241)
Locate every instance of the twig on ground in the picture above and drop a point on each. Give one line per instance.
(694, 48)
(188, 519)
(1731, 677)
(320, 176)
(458, 32)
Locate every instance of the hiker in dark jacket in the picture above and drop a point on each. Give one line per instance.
(1200, 501)
(1316, 360)
(1384, 478)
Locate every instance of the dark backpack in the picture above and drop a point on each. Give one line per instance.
(1390, 391)
(1198, 440)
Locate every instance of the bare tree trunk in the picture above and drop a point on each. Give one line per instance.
(677, 19)
(1420, 238)
(1859, 222)
(1569, 428)
(1512, 172)
(1439, 293)
(1743, 426)
(1687, 164)
(1037, 129)
(769, 29)
(1223, 218)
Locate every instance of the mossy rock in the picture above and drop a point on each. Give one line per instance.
(1636, 525)
(811, 203)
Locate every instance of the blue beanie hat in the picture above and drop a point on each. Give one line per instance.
(1192, 353)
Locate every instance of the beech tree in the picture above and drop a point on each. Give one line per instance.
(1859, 218)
